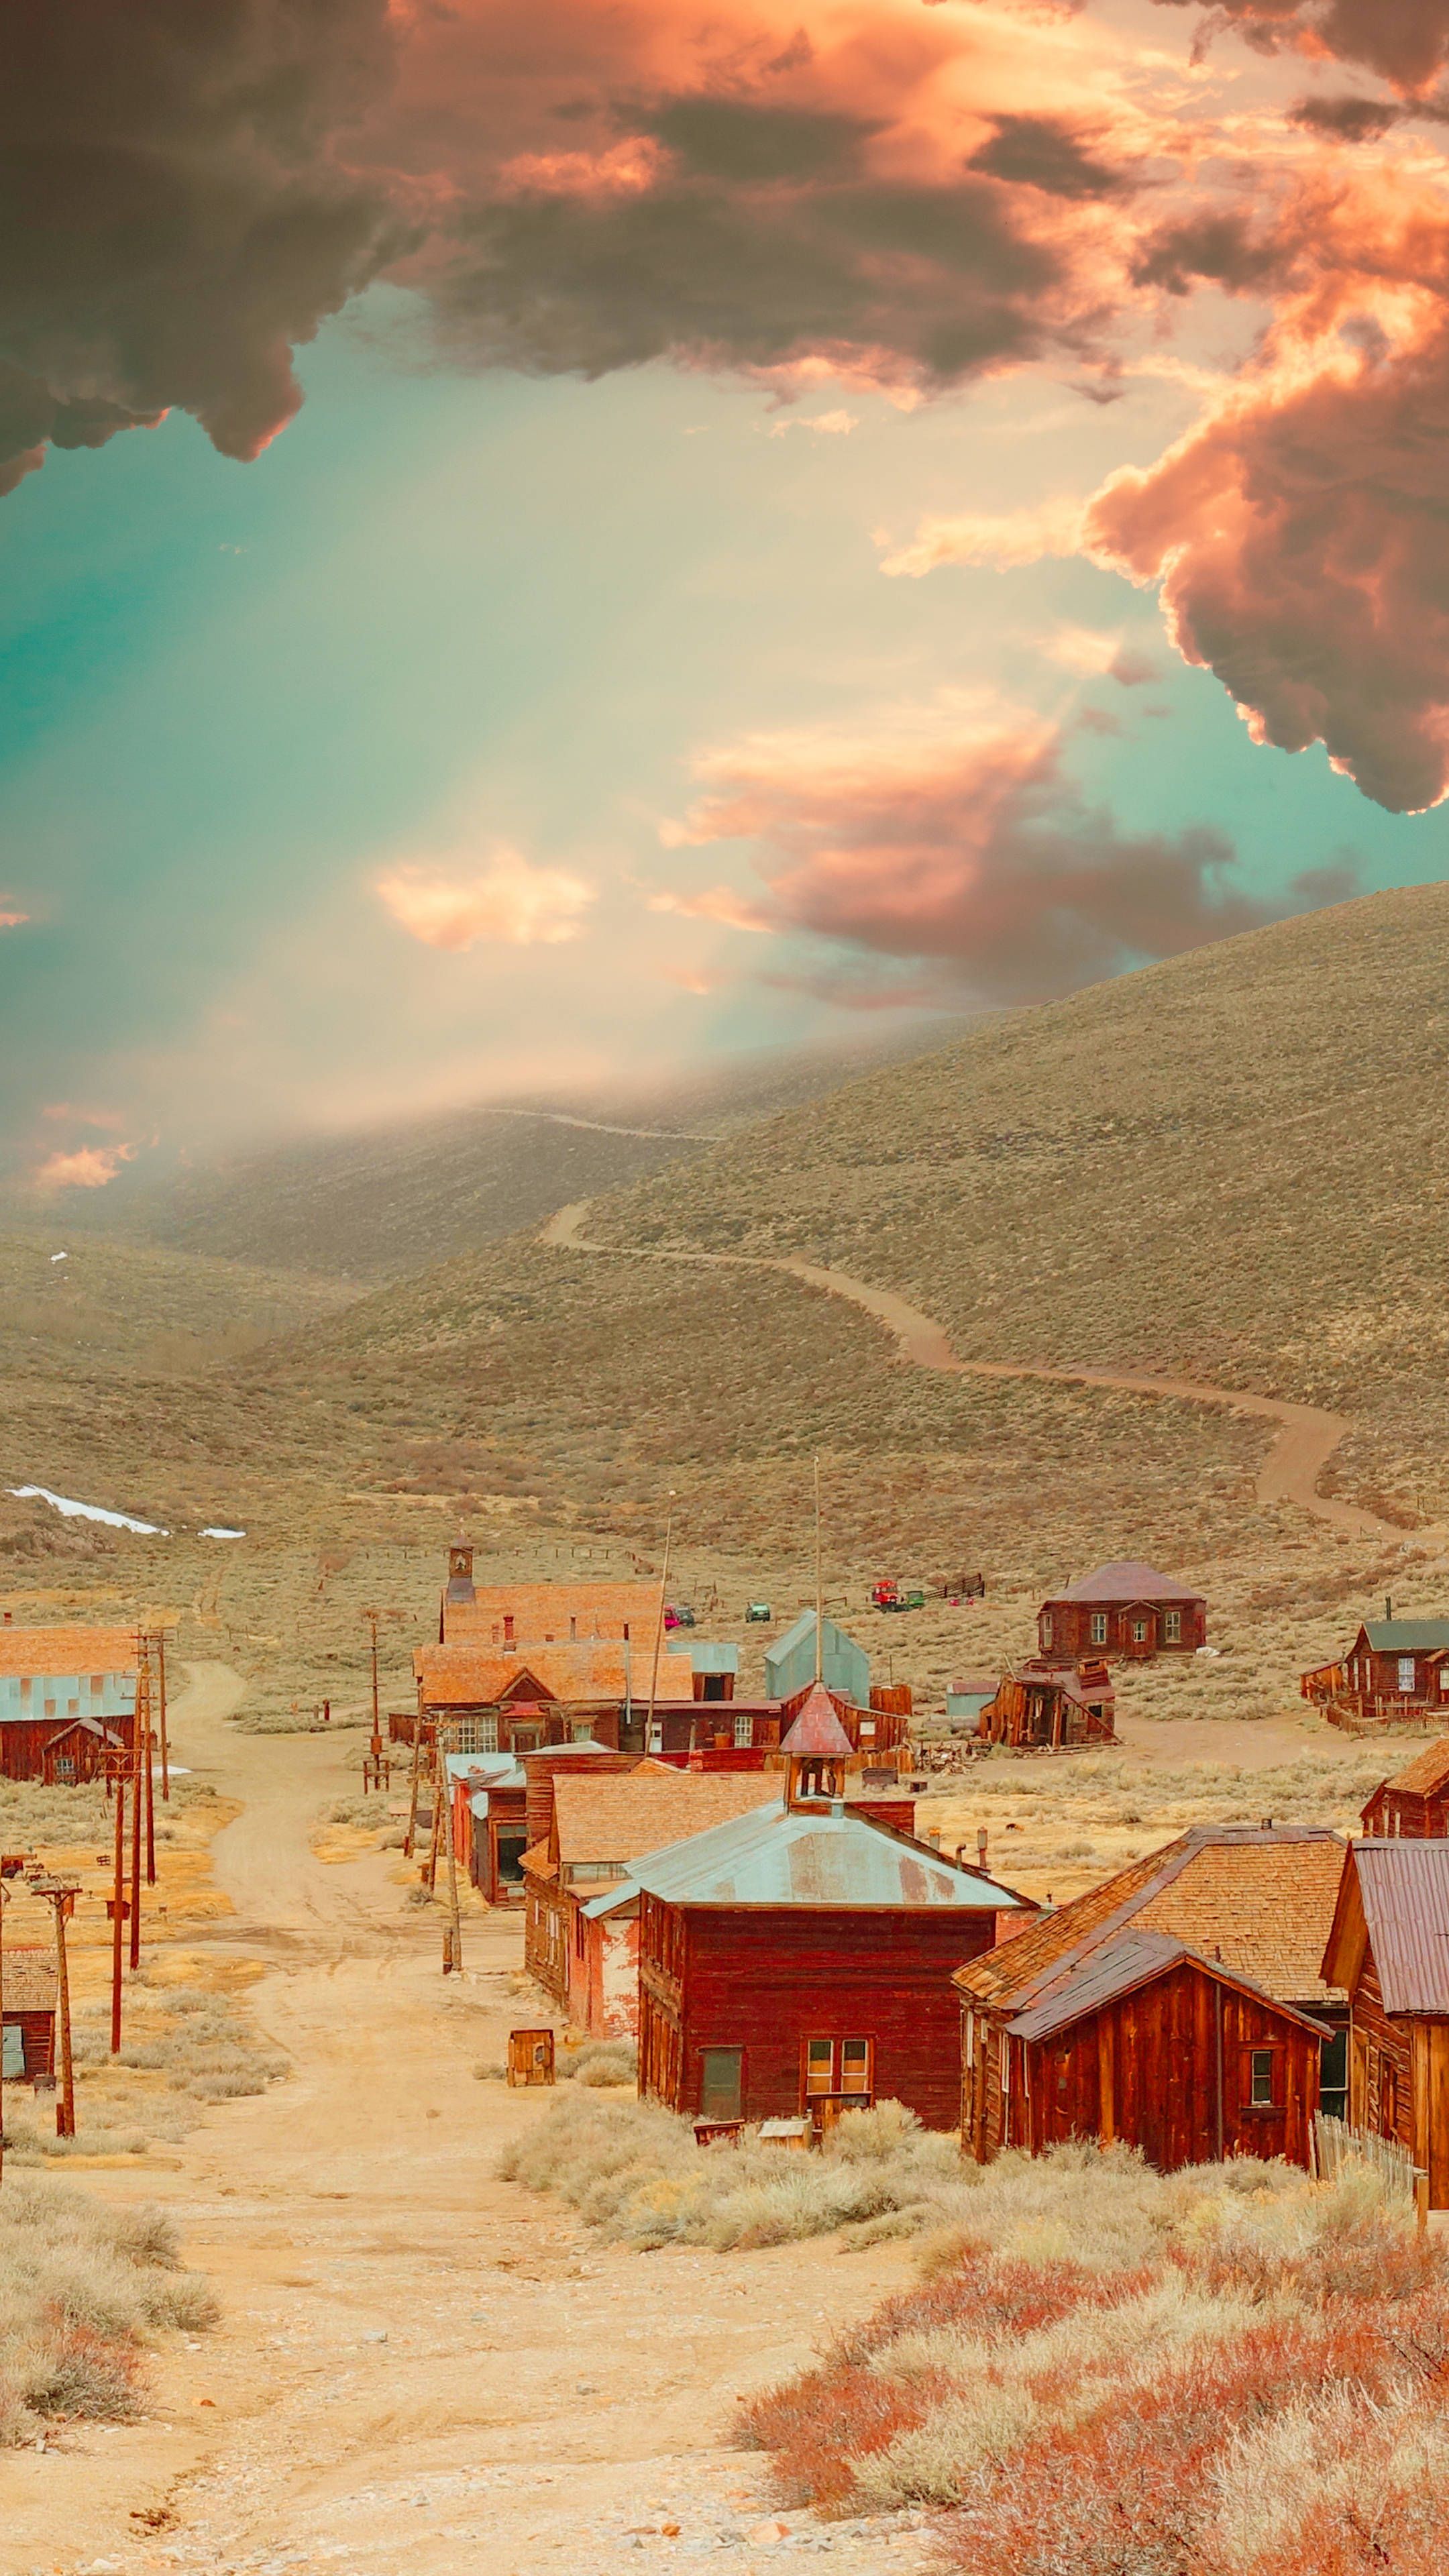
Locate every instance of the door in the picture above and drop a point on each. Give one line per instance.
(721, 2089)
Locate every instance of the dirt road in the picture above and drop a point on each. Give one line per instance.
(1307, 1436)
(418, 2366)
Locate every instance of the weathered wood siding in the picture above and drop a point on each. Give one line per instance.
(1150, 2069)
(765, 1980)
(38, 2038)
(1065, 1629)
(1407, 1815)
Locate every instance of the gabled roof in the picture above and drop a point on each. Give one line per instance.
(629, 1813)
(1257, 1901)
(59, 1652)
(1407, 1636)
(1128, 1579)
(470, 1676)
(30, 1980)
(1101, 1972)
(821, 1856)
(817, 1729)
(1427, 1772)
(1403, 1889)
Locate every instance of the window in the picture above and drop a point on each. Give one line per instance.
(720, 2085)
(1260, 2078)
(1139, 1632)
(583, 1729)
(838, 2066)
(50, 1708)
(1444, 1677)
(64, 1767)
(744, 1731)
(1046, 1627)
(98, 1684)
(1172, 1627)
(1099, 1627)
(655, 1743)
(1406, 1675)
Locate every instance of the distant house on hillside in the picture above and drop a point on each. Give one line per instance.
(1414, 1805)
(1396, 1669)
(790, 1662)
(1389, 1947)
(67, 1697)
(1050, 1708)
(1180, 2007)
(1126, 1610)
(798, 1961)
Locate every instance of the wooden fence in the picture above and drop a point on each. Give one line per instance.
(1336, 2145)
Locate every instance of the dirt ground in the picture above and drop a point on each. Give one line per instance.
(417, 2365)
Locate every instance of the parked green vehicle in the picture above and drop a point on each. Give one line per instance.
(758, 1613)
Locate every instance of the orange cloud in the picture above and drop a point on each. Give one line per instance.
(86, 1167)
(715, 903)
(506, 899)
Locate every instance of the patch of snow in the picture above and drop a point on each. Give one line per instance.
(73, 1511)
(60, 1256)
(217, 1531)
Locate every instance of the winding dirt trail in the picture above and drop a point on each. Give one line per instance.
(1307, 1435)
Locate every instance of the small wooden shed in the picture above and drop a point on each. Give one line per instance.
(30, 1984)
(1126, 1610)
(1142, 2039)
(1389, 1946)
(1051, 1708)
(1414, 1804)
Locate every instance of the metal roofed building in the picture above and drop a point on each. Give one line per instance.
(51, 1681)
(790, 1662)
(799, 1960)
(1389, 1946)
(1125, 1609)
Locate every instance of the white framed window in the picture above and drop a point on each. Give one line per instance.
(1406, 1674)
(1099, 1627)
(744, 1731)
(1172, 1627)
(655, 1740)
(1046, 1627)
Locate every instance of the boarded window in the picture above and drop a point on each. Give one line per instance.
(14, 2059)
(720, 2083)
(819, 2066)
(98, 1684)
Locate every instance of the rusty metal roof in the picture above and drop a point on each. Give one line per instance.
(1100, 1974)
(813, 1856)
(1127, 1579)
(817, 1729)
(1427, 1772)
(1405, 1892)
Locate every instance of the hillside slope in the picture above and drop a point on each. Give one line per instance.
(1233, 1166)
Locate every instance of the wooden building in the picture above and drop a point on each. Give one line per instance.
(1050, 1708)
(1229, 1908)
(1142, 2039)
(490, 1826)
(66, 1694)
(1395, 1672)
(29, 2013)
(681, 1728)
(1389, 1947)
(798, 1961)
(1414, 1804)
(1126, 1611)
(511, 1703)
(506, 1615)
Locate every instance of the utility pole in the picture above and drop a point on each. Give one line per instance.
(63, 1898)
(410, 1837)
(161, 1712)
(453, 1931)
(146, 1757)
(4, 1901)
(140, 1751)
(373, 1767)
(659, 1627)
(118, 1908)
(819, 1586)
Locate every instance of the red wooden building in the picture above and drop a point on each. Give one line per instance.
(1050, 1708)
(490, 1830)
(30, 2001)
(1103, 2019)
(1395, 1672)
(1126, 1611)
(1414, 1804)
(1389, 1947)
(799, 1960)
(513, 1702)
(67, 1697)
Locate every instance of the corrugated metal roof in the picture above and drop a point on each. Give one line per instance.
(1128, 1579)
(1405, 1891)
(1407, 1636)
(1106, 1971)
(614, 1900)
(813, 1856)
(492, 1768)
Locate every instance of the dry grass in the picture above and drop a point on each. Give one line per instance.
(1111, 2371)
(83, 2291)
(197, 2041)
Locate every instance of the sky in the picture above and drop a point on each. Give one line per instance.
(542, 546)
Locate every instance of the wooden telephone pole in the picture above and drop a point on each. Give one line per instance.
(376, 1772)
(118, 1907)
(62, 1896)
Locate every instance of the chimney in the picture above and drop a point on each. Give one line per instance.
(1388, 1607)
(981, 1846)
(508, 1628)
(1266, 1826)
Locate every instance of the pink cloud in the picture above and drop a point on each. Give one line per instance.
(85, 1167)
(505, 899)
(1404, 41)
(953, 834)
(13, 920)
(715, 903)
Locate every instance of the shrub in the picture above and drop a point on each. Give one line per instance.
(83, 2289)
(599, 2062)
